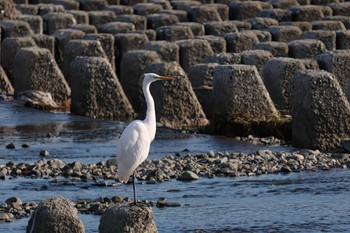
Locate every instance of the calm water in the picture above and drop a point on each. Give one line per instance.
(298, 202)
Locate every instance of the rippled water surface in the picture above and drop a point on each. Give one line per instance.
(297, 202)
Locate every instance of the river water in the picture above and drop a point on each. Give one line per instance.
(297, 202)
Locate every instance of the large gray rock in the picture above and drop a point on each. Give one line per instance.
(121, 218)
(193, 51)
(240, 94)
(36, 69)
(176, 103)
(55, 215)
(321, 113)
(337, 63)
(131, 76)
(96, 91)
(278, 74)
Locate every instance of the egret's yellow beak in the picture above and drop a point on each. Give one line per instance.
(165, 78)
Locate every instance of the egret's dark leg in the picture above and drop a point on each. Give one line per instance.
(133, 185)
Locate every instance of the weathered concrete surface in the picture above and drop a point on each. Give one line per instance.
(176, 103)
(36, 69)
(9, 9)
(278, 49)
(15, 28)
(167, 51)
(120, 218)
(306, 48)
(193, 51)
(240, 94)
(326, 36)
(258, 58)
(337, 63)
(278, 74)
(6, 87)
(321, 113)
(96, 91)
(239, 41)
(131, 76)
(75, 48)
(55, 215)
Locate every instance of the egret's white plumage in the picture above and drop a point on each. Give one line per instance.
(135, 141)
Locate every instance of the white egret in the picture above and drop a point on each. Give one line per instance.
(134, 143)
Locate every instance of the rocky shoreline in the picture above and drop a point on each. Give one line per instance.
(182, 168)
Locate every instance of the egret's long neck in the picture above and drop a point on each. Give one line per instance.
(150, 119)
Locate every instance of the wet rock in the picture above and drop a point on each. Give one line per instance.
(337, 63)
(97, 92)
(321, 113)
(55, 214)
(278, 75)
(44, 153)
(167, 99)
(35, 67)
(136, 218)
(188, 176)
(13, 200)
(39, 100)
(131, 77)
(326, 36)
(7, 217)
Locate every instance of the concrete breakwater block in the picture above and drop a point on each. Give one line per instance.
(258, 58)
(201, 77)
(337, 63)
(177, 106)
(86, 28)
(331, 25)
(107, 42)
(217, 43)
(277, 49)
(98, 18)
(55, 215)
(203, 13)
(45, 8)
(15, 28)
(121, 218)
(304, 26)
(75, 48)
(340, 8)
(92, 5)
(146, 8)
(62, 37)
(278, 14)
(116, 27)
(166, 50)
(36, 69)
(278, 74)
(45, 41)
(131, 75)
(35, 22)
(9, 48)
(321, 112)
(343, 40)
(6, 87)
(347, 92)
(307, 13)
(240, 41)
(328, 37)
(220, 28)
(244, 10)
(96, 91)
(139, 21)
(193, 51)
(174, 33)
(180, 14)
(224, 58)
(284, 33)
(242, 105)
(157, 20)
(120, 9)
(306, 48)
(240, 94)
(260, 23)
(82, 17)
(57, 20)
